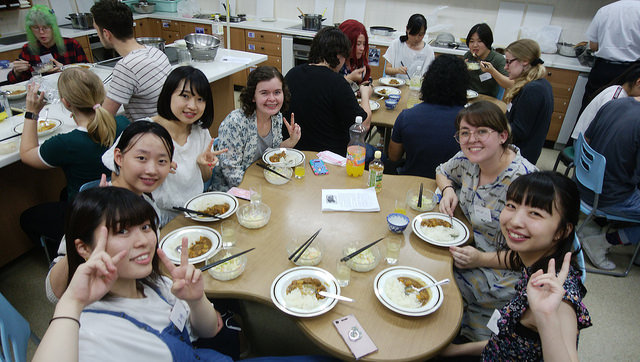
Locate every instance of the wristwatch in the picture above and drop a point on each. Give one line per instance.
(30, 115)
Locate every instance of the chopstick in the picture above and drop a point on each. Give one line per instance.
(420, 196)
(196, 212)
(108, 78)
(216, 263)
(304, 245)
(274, 171)
(10, 137)
(406, 71)
(346, 258)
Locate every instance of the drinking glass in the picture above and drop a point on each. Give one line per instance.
(394, 242)
(343, 273)
(255, 193)
(228, 231)
(401, 206)
(299, 171)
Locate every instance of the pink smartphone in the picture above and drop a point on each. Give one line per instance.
(354, 336)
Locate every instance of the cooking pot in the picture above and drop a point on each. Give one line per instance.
(311, 21)
(381, 30)
(567, 49)
(445, 38)
(81, 20)
(152, 42)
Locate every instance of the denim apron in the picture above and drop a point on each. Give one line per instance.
(178, 342)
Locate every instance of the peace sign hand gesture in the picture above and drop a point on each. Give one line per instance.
(295, 132)
(545, 291)
(188, 283)
(94, 278)
(209, 158)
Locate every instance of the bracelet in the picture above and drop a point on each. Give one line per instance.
(446, 187)
(65, 317)
(30, 115)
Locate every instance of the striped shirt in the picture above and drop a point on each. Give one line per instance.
(137, 81)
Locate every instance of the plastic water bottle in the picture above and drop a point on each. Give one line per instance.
(218, 30)
(356, 149)
(376, 168)
(415, 83)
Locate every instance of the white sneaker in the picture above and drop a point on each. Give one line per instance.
(596, 248)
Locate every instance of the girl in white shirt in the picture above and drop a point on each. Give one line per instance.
(409, 52)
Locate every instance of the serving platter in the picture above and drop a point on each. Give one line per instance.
(392, 81)
(21, 89)
(458, 226)
(78, 65)
(58, 123)
(431, 306)
(284, 279)
(384, 91)
(208, 199)
(172, 242)
(292, 157)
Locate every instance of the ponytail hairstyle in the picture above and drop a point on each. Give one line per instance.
(40, 15)
(85, 92)
(525, 50)
(416, 23)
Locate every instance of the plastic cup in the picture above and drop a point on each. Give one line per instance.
(394, 243)
(343, 273)
(228, 231)
(401, 206)
(299, 171)
(255, 193)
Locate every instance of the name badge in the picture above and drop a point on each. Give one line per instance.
(179, 315)
(482, 213)
(485, 77)
(46, 58)
(493, 322)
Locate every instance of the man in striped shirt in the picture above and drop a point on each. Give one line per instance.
(138, 77)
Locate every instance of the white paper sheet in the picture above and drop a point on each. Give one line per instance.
(537, 16)
(508, 23)
(358, 200)
(264, 9)
(354, 9)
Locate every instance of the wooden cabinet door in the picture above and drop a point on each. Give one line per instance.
(187, 28)
(237, 43)
(170, 36)
(147, 28)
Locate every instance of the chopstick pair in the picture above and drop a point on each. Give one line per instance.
(215, 264)
(406, 71)
(196, 212)
(273, 171)
(346, 258)
(10, 137)
(302, 248)
(420, 196)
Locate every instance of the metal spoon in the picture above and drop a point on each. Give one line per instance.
(411, 288)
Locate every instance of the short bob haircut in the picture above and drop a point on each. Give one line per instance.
(197, 83)
(328, 43)
(446, 82)
(552, 192)
(135, 131)
(484, 33)
(485, 114)
(261, 74)
(119, 209)
(416, 23)
(40, 15)
(114, 16)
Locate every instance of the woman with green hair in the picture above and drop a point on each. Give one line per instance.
(45, 45)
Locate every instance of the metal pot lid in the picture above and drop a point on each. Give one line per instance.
(444, 38)
(383, 28)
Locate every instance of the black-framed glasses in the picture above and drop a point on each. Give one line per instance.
(509, 61)
(481, 134)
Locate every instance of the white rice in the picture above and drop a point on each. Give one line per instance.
(295, 299)
(394, 289)
(439, 233)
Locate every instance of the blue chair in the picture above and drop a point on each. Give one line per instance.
(580, 258)
(567, 156)
(590, 167)
(15, 333)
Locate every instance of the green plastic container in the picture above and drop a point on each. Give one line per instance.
(166, 6)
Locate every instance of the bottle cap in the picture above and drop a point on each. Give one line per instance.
(377, 154)
(358, 119)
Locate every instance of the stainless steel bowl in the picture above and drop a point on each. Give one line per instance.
(203, 47)
(144, 8)
(153, 42)
(567, 49)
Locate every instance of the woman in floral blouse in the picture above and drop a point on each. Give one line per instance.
(248, 132)
(544, 318)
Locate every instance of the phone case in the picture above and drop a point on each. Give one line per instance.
(354, 336)
(318, 167)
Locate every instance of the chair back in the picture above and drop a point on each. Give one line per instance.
(590, 166)
(580, 258)
(92, 184)
(15, 333)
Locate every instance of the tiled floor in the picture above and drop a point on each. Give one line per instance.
(612, 302)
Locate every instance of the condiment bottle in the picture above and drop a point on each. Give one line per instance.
(376, 167)
(356, 149)
(218, 30)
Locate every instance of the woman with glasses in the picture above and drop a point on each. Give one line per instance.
(530, 100)
(477, 179)
(45, 46)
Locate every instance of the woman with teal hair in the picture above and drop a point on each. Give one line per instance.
(45, 45)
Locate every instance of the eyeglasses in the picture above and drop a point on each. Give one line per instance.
(509, 61)
(41, 29)
(481, 135)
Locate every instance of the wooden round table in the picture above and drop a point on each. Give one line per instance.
(296, 212)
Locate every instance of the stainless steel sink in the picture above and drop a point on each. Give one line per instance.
(8, 40)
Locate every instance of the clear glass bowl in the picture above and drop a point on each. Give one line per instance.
(272, 178)
(253, 215)
(311, 256)
(230, 269)
(366, 260)
(428, 199)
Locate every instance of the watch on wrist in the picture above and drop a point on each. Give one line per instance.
(30, 115)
